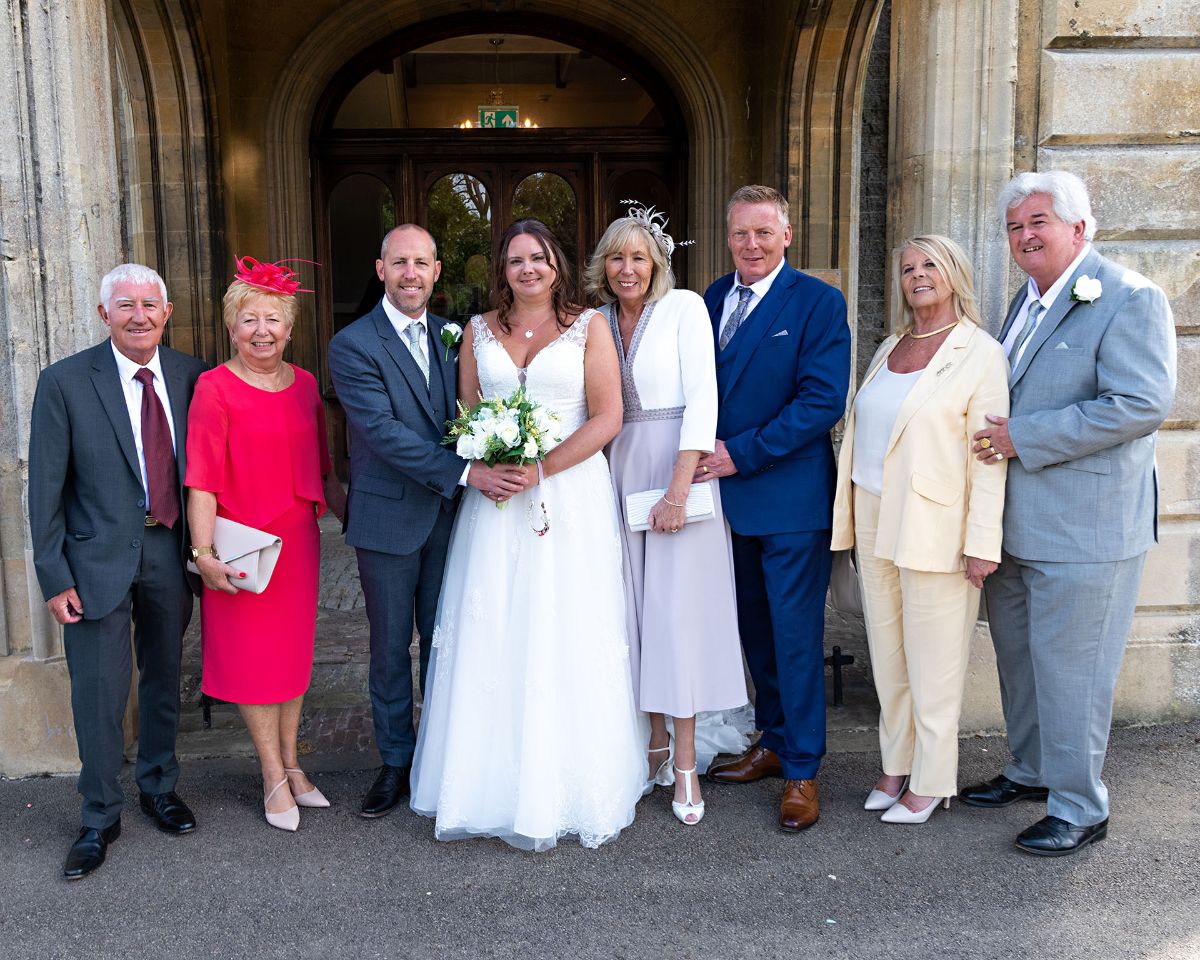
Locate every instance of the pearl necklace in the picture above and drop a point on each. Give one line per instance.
(932, 333)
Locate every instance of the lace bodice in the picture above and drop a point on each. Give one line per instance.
(554, 378)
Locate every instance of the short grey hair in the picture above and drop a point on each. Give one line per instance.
(406, 226)
(1067, 191)
(757, 193)
(620, 234)
(130, 273)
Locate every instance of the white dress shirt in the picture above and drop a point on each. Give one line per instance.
(400, 323)
(126, 371)
(758, 289)
(1032, 294)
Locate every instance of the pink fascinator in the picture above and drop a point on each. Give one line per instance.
(272, 277)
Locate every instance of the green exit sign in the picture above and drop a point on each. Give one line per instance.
(499, 117)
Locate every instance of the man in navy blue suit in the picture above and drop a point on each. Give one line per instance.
(783, 371)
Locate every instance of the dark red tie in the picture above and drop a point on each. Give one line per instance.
(161, 475)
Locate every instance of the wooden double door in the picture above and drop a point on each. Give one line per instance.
(466, 187)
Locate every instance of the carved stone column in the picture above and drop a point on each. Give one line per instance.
(59, 233)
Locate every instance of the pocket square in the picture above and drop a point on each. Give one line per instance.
(781, 333)
(1061, 345)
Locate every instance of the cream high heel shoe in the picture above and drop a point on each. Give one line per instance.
(878, 800)
(688, 808)
(899, 813)
(288, 819)
(665, 776)
(311, 798)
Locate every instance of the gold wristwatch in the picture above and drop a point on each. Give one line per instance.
(198, 552)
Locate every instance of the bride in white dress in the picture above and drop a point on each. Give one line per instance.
(529, 730)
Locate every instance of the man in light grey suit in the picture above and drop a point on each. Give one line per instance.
(1092, 351)
(397, 383)
(107, 455)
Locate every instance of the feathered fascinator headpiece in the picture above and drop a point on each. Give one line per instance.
(272, 277)
(655, 222)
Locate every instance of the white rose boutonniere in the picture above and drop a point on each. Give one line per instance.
(1086, 289)
(451, 337)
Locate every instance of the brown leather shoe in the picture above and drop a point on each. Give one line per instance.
(755, 764)
(800, 807)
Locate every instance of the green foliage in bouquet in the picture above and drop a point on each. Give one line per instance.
(513, 430)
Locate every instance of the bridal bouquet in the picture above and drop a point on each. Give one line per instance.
(513, 430)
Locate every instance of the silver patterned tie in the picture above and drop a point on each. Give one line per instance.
(415, 331)
(1035, 310)
(739, 314)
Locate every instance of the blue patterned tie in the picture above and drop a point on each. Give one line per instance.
(739, 314)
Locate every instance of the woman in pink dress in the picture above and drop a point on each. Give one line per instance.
(257, 454)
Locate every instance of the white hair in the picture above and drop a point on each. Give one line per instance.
(1067, 191)
(130, 273)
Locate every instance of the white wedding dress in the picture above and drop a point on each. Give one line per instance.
(529, 730)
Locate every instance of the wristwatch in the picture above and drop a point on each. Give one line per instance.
(198, 552)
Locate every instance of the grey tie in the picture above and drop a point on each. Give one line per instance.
(1035, 310)
(415, 331)
(739, 314)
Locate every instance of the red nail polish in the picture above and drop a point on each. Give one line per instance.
(242, 575)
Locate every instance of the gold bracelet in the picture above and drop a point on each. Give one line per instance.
(672, 502)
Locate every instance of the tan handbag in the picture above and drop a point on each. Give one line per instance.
(845, 594)
(248, 550)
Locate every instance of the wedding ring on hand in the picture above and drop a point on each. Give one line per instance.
(999, 455)
(704, 467)
(985, 442)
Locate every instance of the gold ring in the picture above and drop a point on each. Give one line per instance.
(704, 468)
(985, 442)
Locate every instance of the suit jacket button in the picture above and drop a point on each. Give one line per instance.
(142, 503)
(135, 542)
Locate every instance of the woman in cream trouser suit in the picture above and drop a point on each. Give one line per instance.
(925, 516)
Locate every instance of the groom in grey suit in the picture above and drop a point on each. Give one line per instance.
(1091, 346)
(397, 383)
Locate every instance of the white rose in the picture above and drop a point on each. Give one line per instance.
(530, 450)
(479, 446)
(541, 420)
(508, 432)
(1086, 289)
(465, 447)
(454, 330)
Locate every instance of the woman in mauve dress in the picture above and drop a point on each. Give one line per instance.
(679, 588)
(257, 455)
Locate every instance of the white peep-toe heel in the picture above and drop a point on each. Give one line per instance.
(288, 819)
(688, 808)
(311, 798)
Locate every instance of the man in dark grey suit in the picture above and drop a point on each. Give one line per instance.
(1092, 351)
(106, 467)
(397, 383)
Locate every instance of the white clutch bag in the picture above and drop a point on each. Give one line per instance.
(249, 551)
(699, 505)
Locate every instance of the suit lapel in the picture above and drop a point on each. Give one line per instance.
(715, 301)
(936, 373)
(107, 382)
(447, 368)
(177, 395)
(760, 321)
(1063, 304)
(403, 359)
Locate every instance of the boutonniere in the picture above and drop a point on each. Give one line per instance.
(451, 337)
(1086, 289)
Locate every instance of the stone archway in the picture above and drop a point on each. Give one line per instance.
(359, 24)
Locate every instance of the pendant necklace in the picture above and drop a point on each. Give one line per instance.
(529, 331)
(932, 333)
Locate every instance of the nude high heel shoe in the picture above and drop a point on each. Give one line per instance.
(899, 813)
(288, 819)
(311, 798)
(878, 800)
(688, 808)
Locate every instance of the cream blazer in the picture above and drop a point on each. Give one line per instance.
(938, 502)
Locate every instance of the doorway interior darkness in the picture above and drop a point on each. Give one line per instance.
(391, 145)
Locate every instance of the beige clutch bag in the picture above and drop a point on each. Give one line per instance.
(699, 505)
(248, 550)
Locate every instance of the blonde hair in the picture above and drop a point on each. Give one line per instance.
(953, 264)
(757, 193)
(240, 293)
(620, 234)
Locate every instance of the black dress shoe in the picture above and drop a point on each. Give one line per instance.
(389, 788)
(89, 849)
(1000, 792)
(1054, 837)
(171, 815)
